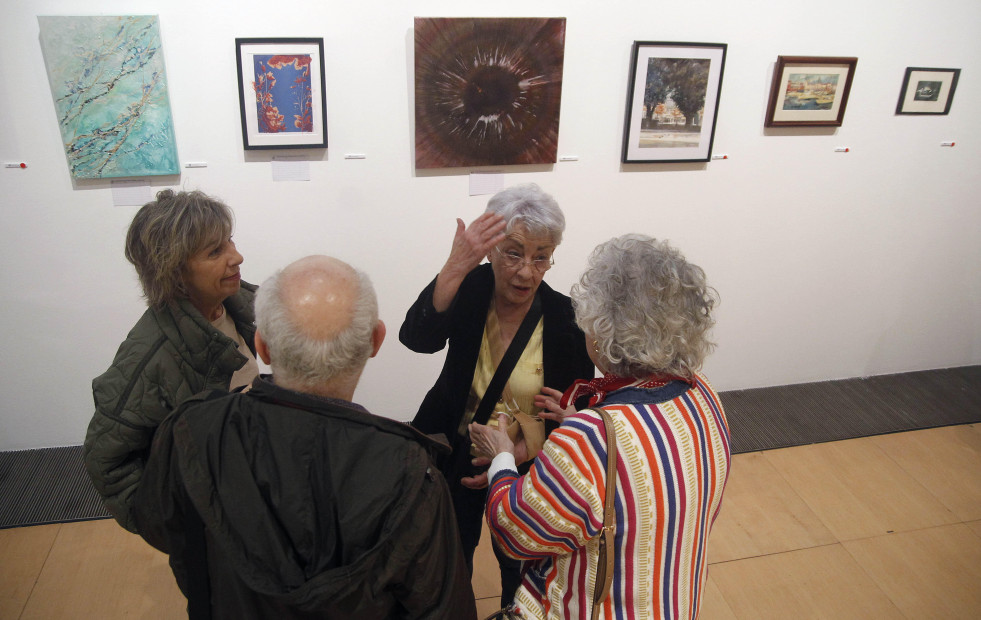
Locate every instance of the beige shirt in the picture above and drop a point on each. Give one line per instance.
(245, 374)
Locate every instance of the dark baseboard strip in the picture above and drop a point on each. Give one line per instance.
(805, 413)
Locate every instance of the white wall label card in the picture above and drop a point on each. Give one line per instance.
(486, 183)
(290, 169)
(134, 193)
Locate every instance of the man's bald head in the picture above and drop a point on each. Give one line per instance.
(319, 293)
(317, 318)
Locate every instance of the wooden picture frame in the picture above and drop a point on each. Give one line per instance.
(810, 91)
(927, 90)
(282, 96)
(672, 101)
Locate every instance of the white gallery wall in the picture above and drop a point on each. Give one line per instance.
(829, 265)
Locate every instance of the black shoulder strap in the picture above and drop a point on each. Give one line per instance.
(503, 372)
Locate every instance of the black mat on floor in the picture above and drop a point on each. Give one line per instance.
(805, 413)
(50, 485)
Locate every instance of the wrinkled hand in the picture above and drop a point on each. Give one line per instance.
(548, 401)
(519, 450)
(490, 441)
(472, 243)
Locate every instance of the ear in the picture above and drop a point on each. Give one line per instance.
(377, 337)
(261, 348)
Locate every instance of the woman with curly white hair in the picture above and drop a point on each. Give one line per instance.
(646, 313)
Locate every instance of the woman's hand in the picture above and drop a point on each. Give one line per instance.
(491, 441)
(548, 401)
(480, 480)
(519, 450)
(470, 245)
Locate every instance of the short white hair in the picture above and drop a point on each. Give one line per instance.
(305, 361)
(529, 205)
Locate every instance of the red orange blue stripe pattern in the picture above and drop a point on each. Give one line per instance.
(672, 466)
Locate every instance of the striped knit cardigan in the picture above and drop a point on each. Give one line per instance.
(672, 466)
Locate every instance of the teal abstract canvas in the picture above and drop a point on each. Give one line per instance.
(110, 92)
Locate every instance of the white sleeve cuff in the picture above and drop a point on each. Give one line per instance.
(504, 460)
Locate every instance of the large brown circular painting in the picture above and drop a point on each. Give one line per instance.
(487, 90)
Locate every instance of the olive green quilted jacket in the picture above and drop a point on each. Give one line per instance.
(171, 353)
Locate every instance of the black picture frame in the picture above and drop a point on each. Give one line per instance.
(304, 124)
(659, 130)
(927, 90)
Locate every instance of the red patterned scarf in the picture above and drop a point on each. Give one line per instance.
(610, 382)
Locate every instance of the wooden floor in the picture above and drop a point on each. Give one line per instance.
(878, 527)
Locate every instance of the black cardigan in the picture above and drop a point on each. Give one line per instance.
(426, 331)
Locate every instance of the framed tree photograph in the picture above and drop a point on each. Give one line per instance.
(927, 91)
(281, 93)
(672, 101)
(810, 91)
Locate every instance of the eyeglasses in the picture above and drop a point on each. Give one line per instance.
(513, 260)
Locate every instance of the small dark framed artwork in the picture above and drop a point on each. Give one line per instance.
(927, 91)
(281, 93)
(810, 91)
(672, 101)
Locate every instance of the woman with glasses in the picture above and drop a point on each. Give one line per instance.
(499, 314)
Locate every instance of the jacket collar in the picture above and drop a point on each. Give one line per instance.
(264, 389)
(200, 342)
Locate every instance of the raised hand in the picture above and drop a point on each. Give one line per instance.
(470, 245)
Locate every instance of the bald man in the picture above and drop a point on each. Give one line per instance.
(289, 500)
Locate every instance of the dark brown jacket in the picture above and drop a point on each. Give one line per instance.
(277, 504)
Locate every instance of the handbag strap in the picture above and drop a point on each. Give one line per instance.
(605, 564)
(504, 368)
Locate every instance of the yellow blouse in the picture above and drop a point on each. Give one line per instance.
(527, 378)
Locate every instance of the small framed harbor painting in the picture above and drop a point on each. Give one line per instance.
(282, 93)
(927, 91)
(672, 101)
(810, 91)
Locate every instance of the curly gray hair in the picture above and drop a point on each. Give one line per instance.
(529, 205)
(166, 233)
(648, 309)
(302, 360)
